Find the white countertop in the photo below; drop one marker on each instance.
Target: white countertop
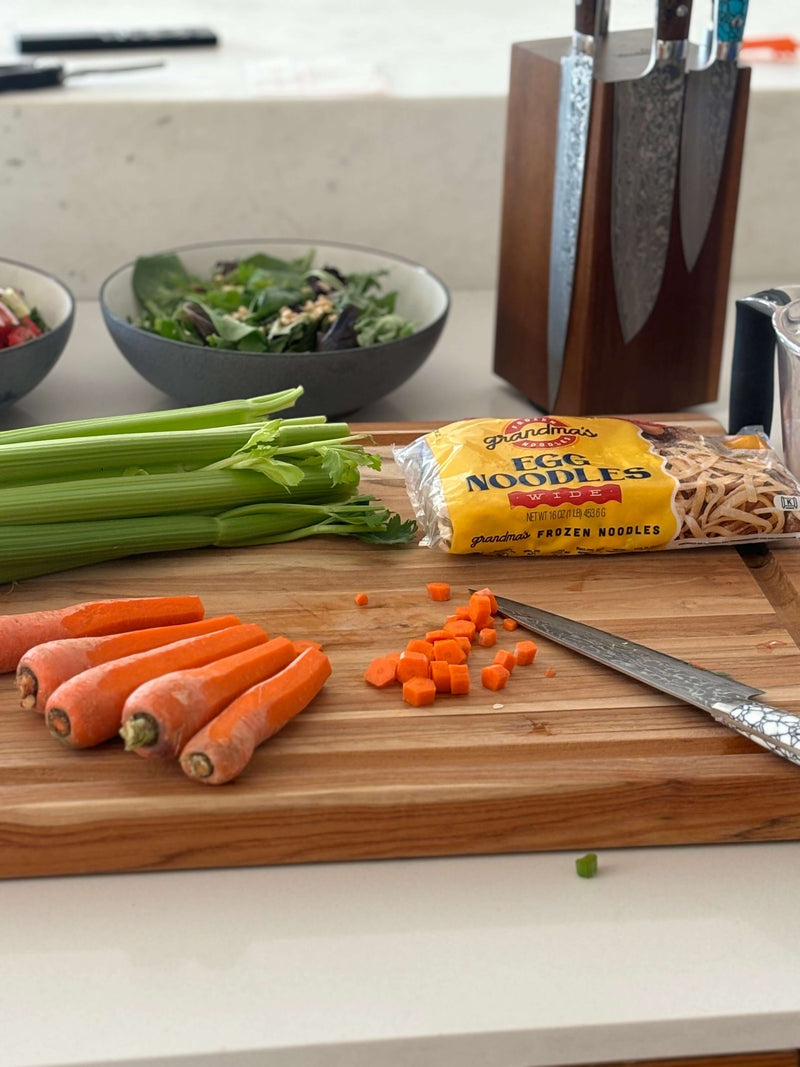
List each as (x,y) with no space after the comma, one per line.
(506,961)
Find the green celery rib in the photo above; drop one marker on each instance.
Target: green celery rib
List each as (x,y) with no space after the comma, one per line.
(226,413)
(59,458)
(136,495)
(31,551)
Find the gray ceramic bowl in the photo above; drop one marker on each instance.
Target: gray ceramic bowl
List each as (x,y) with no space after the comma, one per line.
(335,383)
(24,366)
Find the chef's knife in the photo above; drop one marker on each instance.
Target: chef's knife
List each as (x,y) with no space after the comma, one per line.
(647,134)
(729,702)
(574,109)
(706,119)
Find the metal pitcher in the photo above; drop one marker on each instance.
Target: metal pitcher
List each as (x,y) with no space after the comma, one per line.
(766,321)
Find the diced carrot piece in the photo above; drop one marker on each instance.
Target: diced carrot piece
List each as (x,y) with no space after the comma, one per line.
(450,618)
(506,659)
(491,596)
(438,590)
(510,624)
(465,644)
(462,628)
(480,610)
(438,635)
(419,691)
(525,652)
(462,611)
(487,637)
(361,599)
(381,672)
(549,673)
(450,651)
(494,676)
(417,645)
(393,656)
(303,643)
(459,679)
(412,665)
(440,674)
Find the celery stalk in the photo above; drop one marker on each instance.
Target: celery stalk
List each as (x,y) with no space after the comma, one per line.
(60,458)
(225,413)
(30,551)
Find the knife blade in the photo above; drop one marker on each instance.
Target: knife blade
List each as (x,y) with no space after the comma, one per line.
(646,139)
(707,113)
(730,702)
(574,110)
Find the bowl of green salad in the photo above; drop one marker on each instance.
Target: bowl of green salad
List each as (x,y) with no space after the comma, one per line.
(36,316)
(212,322)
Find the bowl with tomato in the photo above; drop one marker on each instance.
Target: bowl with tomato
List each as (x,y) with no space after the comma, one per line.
(36,316)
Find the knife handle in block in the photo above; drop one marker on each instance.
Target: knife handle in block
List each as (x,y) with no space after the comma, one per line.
(586,13)
(672,19)
(730,21)
(777,730)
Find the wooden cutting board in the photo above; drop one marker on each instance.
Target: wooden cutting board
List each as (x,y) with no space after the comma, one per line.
(584,759)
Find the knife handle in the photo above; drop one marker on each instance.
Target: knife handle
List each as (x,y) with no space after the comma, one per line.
(672,19)
(753,368)
(730,21)
(777,730)
(586,15)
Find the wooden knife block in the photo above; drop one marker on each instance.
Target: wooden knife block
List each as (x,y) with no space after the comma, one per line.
(674,360)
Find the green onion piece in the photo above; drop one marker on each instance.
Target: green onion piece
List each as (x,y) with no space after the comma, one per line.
(30,551)
(586,866)
(226,413)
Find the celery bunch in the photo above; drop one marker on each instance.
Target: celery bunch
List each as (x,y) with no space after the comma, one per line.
(217,475)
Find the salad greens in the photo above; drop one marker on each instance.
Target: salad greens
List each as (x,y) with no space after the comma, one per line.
(265,304)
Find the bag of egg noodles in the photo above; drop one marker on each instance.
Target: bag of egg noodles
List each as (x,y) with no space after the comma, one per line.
(548,485)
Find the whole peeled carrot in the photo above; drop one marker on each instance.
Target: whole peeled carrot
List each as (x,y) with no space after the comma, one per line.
(87,709)
(18,633)
(45,667)
(162,714)
(223,748)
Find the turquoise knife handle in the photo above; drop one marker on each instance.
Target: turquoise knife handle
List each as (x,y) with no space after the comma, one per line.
(777,730)
(730,21)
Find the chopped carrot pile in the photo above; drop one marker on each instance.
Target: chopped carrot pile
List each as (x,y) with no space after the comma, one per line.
(361,599)
(438,590)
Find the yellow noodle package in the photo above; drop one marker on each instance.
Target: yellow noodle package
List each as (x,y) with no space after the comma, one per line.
(551,485)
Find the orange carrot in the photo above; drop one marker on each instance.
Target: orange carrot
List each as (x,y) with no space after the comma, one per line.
(494,676)
(462,611)
(419,692)
(505,659)
(437,635)
(487,637)
(87,709)
(462,628)
(381,672)
(525,651)
(412,665)
(222,749)
(417,645)
(549,673)
(361,599)
(491,596)
(303,643)
(459,679)
(464,644)
(438,590)
(18,633)
(44,667)
(162,714)
(450,651)
(510,624)
(480,610)
(440,675)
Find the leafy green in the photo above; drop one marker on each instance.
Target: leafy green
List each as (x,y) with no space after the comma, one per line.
(266,304)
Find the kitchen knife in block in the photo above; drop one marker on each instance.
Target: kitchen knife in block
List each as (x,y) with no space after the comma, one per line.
(674,360)
(575,101)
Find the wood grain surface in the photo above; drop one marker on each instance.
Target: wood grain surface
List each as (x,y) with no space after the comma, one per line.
(585,759)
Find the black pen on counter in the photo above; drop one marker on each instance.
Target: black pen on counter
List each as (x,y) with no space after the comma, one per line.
(22,76)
